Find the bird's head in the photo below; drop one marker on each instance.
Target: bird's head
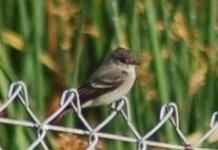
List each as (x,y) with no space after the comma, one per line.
(123,56)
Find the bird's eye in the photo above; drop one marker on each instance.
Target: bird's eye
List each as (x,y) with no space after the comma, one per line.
(123,60)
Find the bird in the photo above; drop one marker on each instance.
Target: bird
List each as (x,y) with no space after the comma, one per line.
(111,81)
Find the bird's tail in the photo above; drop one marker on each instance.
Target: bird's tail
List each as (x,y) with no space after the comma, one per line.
(58,118)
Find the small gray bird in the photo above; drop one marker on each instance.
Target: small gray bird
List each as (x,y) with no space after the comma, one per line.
(111,81)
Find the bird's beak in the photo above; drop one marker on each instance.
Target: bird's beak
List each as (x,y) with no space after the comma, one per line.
(137,62)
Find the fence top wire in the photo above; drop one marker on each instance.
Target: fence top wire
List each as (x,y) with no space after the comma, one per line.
(18,91)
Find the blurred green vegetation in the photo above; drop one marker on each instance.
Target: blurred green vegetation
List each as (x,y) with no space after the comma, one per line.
(53,45)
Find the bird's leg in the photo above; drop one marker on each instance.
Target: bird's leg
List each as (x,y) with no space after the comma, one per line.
(113,106)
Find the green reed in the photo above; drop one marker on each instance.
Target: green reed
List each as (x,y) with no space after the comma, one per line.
(63,42)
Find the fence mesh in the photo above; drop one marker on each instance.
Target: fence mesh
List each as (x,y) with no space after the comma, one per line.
(18,91)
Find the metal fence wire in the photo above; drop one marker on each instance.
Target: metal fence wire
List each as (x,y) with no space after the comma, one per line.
(18,91)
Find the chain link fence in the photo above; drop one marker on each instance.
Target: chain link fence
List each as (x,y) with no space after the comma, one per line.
(18,91)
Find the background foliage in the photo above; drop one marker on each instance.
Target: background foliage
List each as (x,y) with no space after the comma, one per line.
(56,44)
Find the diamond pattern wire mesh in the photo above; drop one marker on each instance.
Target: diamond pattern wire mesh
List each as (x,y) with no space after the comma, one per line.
(18,91)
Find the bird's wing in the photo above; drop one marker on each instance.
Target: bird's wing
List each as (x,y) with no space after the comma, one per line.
(102,84)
